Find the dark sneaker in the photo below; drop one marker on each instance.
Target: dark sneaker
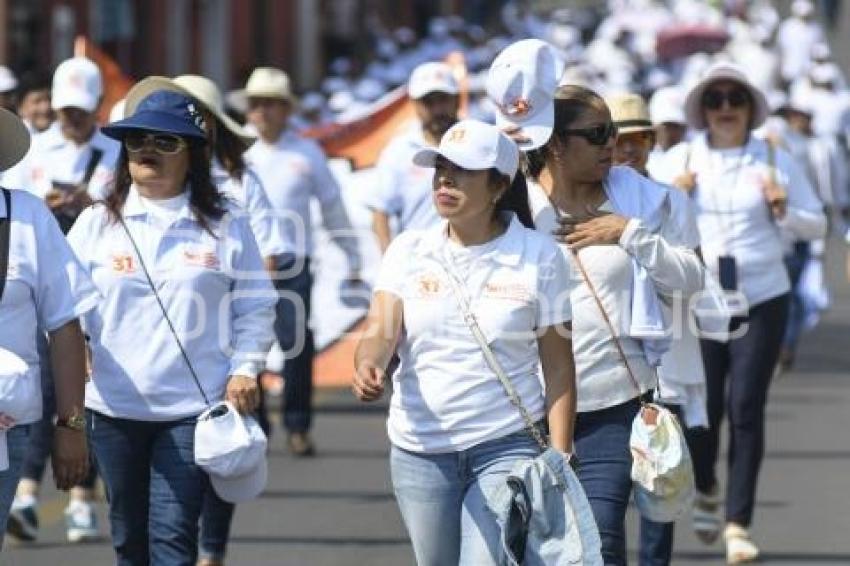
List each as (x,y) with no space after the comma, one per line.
(300,445)
(23,521)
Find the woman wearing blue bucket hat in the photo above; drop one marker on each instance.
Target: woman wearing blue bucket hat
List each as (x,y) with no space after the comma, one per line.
(185,322)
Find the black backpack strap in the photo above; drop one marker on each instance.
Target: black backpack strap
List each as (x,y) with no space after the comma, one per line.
(5,234)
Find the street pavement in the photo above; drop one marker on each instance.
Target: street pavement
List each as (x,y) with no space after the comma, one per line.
(338,509)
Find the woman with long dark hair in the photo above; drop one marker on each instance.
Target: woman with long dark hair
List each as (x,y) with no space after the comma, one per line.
(455,434)
(186,321)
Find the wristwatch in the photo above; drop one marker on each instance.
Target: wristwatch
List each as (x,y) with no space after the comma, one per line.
(74,422)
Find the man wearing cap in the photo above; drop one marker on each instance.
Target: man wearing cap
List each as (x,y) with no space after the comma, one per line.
(667,112)
(8,84)
(69,167)
(403,190)
(294,170)
(74,165)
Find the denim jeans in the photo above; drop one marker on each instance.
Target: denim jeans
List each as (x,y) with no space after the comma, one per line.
(605,465)
(216,517)
(737,378)
(17,445)
(445,499)
(292,330)
(153,486)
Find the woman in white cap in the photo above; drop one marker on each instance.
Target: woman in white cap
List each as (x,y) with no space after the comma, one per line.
(186,320)
(42,288)
(616,224)
(746,194)
(455,434)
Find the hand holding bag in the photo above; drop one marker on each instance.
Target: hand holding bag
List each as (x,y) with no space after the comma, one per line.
(544,513)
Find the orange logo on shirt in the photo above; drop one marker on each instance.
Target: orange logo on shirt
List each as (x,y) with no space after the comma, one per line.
(507,291)
(123,263)
(206,259)
(428,286)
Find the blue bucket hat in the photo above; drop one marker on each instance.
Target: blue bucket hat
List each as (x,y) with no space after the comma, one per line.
(162,111)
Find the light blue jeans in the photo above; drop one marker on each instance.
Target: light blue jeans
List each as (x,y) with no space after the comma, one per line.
(17,443)
(446,499)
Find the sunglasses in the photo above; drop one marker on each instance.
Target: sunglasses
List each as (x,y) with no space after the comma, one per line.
(713,99)
(164,144)
(597,135)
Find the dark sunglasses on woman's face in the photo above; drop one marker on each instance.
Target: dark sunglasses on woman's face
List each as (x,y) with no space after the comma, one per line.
(164,144)
(596,135)
(713,99)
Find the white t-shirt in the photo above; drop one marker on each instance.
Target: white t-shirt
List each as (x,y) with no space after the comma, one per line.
(733,216)
(214,287)
(46,287)
(445,397)
(403,189)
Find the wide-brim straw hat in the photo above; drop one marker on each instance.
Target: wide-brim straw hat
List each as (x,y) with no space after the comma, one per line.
(724,71)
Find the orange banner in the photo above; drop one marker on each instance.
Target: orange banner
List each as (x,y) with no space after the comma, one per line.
(115,82)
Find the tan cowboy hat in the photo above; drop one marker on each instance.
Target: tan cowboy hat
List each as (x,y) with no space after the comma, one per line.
(14,139)
(724,71)
(629,113)
(210,100)
(206,92)
(268,82)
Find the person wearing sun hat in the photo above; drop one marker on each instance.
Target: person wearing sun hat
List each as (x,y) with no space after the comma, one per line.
(227,141)
(38,296)
(746,193)
(145,397)
(294,171)
(444,410)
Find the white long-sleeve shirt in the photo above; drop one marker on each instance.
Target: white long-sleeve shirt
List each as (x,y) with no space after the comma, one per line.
(733,216)
(293,170)
(214,288)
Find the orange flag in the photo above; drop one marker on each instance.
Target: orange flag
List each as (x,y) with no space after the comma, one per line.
(115,82)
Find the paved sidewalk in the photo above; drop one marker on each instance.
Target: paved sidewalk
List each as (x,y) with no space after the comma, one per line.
(337,509)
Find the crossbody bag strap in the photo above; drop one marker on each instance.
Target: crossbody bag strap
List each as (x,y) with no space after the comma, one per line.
(5,240)
(490,358)
(163,309)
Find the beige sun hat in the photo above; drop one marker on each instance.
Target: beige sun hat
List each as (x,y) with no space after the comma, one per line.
(207,93)
(629,113)
(269,82)
(14,141)
(208,96)
(724,71)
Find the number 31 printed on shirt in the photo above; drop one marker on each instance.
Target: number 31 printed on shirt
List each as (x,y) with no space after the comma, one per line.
(123,263)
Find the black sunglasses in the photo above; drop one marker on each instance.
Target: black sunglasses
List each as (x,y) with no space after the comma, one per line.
(164,144)
(713,99)
(597,135)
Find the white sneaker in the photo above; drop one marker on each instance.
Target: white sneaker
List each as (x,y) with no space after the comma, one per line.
(740,549)
(81,522)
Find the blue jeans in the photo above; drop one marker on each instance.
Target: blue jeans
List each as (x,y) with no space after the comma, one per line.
(444,498)
(605,465)
(292,330)
(216,517)
(154,488)
(17,444)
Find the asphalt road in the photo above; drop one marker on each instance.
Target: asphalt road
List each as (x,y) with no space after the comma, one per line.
(337,508)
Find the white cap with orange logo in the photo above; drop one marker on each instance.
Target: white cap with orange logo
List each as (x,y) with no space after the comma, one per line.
(474,145)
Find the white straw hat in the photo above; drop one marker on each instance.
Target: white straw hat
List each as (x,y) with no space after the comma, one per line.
(207,93)
(629,113)
(724,71)
(269,82)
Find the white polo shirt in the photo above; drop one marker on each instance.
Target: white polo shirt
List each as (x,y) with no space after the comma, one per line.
(248,194)
(445,398)
(216,292)
(733,216)
(53,158)
(294,170)
(46,287)
(403,189)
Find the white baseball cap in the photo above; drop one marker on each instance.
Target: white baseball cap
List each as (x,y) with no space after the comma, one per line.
(474,145)
(431,77)
(77,82)
(667,105)
(8,81)
(231,448)
(521,82)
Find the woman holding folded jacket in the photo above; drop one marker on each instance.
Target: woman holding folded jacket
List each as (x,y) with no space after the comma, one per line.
(746,194)
(186,320)
(616,225)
